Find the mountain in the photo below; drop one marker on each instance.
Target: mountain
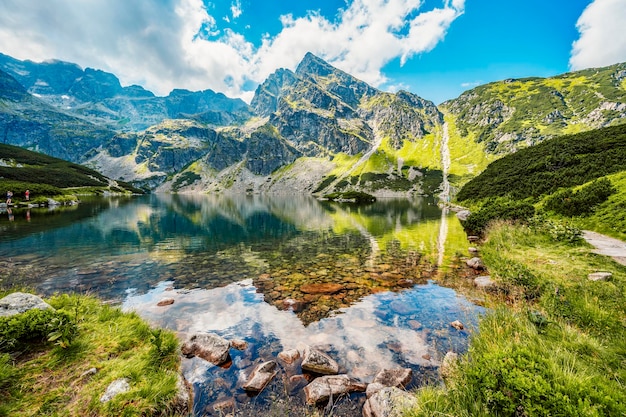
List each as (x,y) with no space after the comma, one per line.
(98,97)
(508,115)
(313,130)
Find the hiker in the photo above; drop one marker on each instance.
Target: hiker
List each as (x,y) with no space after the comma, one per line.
(27,195)
(9,197)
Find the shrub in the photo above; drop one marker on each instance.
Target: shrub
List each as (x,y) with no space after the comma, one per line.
(498,209)
(582,202)
(36,326)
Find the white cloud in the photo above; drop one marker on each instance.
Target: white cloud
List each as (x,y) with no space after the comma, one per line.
(602,37)
(171,43)
(471,84)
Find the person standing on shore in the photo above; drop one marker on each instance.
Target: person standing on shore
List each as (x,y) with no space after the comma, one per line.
(27,195)
(9,197)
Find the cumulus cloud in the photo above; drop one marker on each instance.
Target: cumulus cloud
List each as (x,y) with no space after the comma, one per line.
(602,37)
(178,44)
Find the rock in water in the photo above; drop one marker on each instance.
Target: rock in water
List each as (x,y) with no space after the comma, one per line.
(388,402)
(322,388)
(19,302)
(260,377)
(318,362)
(207,346)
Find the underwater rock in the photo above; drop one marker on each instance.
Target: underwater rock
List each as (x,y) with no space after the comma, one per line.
(207,346)
(260,377)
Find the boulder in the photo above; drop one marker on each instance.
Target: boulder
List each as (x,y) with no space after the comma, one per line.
(388,402)
(463,215)
(457,325)
(473,238)
(260,377)
(599,276)
(473,250)
(399,377)
(449,365)
(322,388)
(238,344)
(207,346)
(483,282)
(119,386)
(289,356)
(318,362)
(19,302)
(322,288)
(165,302)
(475,263)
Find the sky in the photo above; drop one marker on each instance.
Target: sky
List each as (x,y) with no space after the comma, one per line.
(434,48)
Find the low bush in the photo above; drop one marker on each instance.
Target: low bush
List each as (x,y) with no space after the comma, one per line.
(35,326)
(582,202)
(498,209)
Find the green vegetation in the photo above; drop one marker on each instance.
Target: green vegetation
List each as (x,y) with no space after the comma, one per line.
(498,209)
(554,342)
(581,202)
(351,196)
(561,162)
(45,354)
(45,176)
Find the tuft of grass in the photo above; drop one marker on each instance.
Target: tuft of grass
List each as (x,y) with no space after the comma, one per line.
(47,378)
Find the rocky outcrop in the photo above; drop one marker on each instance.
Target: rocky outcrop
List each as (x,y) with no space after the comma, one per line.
(325,387)
(260,377)
(208,346)
(19,302)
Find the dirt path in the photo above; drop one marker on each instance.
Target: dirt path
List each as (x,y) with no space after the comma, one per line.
(608,246)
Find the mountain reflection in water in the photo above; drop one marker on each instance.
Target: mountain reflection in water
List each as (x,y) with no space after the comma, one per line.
(275,271)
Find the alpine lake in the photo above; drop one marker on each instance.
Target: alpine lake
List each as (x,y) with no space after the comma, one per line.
(355,281)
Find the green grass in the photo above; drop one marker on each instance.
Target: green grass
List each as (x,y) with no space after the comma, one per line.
(554,342)
(45,378)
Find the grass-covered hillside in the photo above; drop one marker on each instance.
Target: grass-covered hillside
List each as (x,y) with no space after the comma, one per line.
(542,169)
(508,115)
(45,176)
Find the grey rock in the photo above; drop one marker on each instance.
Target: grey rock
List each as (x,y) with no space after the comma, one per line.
(19,302)
(472,250)
(318,362)
(208,346)
(182,402)
(289,356)
(388,402)
(599,276)
(463,215)
(119,386)
(483,282)
(321,389)
(449,365)
(475,263)
(260,377)
(457,325)
(399,377)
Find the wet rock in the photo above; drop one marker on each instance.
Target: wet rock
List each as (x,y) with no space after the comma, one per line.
(165,302)
(19,302)
(475,263)
(321,288)
(449,365)
(260,377)
(457,325)
(181,404)
(399,377)
(414,324)
(289,356)
(599,276)
(483,282)
(321,389)
(119,386)
(388,402)
(296,383)
(207,346)
(295,305)
(223,406)
(318,362)
(238,344)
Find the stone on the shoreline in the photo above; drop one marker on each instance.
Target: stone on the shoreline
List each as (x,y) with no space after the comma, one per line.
(388,402)
(165,302)
(399,377)
(463,215)
(260,377)
(119,386)
(457,325)
(207,346)
(449,365)
(289,356)
(472,250)
(321,389)
(599,276)
(318,362)
(181,403)
(473,238)
(322,288)
(19,302)
(475,263)
(483,282)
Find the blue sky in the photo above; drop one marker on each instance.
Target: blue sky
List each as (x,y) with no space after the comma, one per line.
(434,48)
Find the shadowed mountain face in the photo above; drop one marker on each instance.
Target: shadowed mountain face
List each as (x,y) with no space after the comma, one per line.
(315,129)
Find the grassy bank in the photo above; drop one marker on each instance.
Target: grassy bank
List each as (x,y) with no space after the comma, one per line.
(554,342)
(45,359)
